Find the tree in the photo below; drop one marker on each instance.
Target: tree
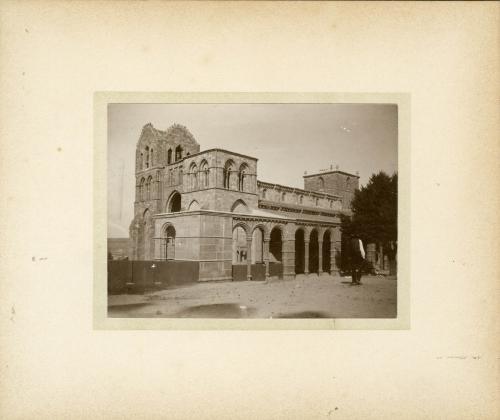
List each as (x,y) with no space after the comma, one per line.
(375,213)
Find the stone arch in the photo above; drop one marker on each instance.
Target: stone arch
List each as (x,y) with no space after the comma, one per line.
(326,250)
(242,174)
(240,244)
(239,206)
(168,235)
(228,174)
(194,205)
(178,153)
(193,176)
(146,157)
(313,251)
(174,202)
(148,187)
(264,228)
(141,189)
(258,235)
(203,174)
(300,233)
(243,225)
(276,244)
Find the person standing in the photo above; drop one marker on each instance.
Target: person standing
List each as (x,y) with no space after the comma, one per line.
(357,259)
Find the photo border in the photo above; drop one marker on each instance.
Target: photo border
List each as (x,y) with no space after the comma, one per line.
(100,295)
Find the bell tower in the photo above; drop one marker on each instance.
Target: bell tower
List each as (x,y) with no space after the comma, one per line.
(336,182)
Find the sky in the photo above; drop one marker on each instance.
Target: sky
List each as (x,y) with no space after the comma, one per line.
(288,139)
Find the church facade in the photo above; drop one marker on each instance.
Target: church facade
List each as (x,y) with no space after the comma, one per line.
(209,208)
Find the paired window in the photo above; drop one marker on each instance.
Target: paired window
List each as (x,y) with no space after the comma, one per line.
(148,188)
(203,174)
(228,174)
(147,158)
(193,175)
(242,174)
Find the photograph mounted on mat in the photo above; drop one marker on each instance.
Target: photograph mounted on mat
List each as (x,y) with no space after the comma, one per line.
(250,211)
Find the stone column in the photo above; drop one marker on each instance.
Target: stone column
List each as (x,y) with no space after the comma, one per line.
(266,256)
(335,246)
(288,258)
(249,258)
(320,258)
(306,257)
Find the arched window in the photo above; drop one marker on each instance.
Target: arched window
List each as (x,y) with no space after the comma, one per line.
(203,174)
(301,199)
(241,176)
(264,191)
(228,169)
(194,205)
(169,241)
(178,153)
(141,189)
(193,174)
(169,156)
(152,158)
(239,206)
(147,157)
(148,188)
(283,196)
(321,183)
(174,203)
(347,182)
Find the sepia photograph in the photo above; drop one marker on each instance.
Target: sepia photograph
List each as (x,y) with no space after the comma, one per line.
(249,210)
(256,210)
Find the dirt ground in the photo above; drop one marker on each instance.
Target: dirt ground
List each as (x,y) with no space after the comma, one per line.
(304,297)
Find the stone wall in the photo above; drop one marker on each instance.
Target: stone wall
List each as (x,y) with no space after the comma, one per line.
(215,247)
(187,236)
(283,196)
(199,237)
(336,182)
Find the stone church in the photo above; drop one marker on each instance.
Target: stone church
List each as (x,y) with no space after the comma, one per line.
(208,208)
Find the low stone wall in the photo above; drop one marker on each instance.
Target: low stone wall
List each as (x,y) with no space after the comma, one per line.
(240,272)
(141,276)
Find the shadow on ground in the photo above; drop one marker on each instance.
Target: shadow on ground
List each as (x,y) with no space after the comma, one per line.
(217,310)
(305,314)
